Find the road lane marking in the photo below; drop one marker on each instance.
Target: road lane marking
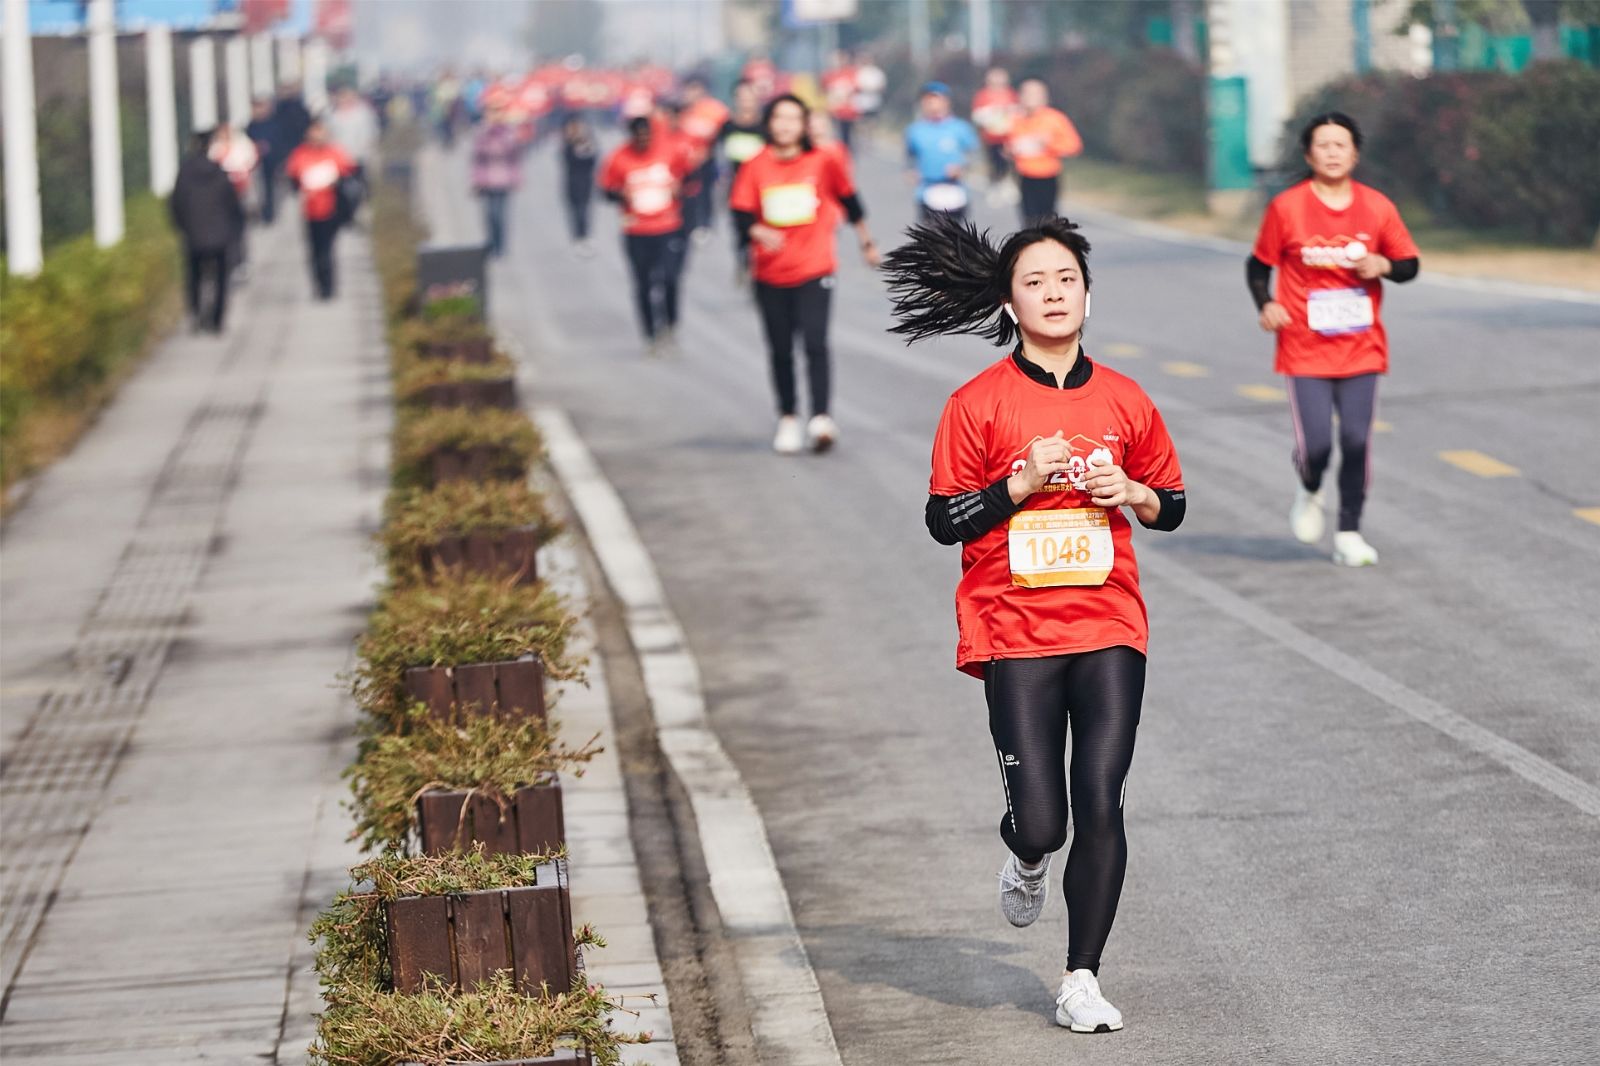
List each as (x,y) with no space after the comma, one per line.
(1180,369)
(1478,463)
(1264,393)
(1124,350)
(1588,514)
(1380,426)
(1514,757)
(787,1014)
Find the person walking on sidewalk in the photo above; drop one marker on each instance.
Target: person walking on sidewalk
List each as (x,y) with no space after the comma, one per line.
(209,217)
(316,168)
(263,133)
(353,126)
(579,156)
(782,199)
(1334,240)
(496,172)
(644,177)
(1040,138)
(1034,461)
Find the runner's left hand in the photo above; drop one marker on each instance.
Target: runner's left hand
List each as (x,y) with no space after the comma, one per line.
(1372,265)
(1109,486)
(869,252)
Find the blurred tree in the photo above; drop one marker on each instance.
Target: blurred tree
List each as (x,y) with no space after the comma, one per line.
(558,28)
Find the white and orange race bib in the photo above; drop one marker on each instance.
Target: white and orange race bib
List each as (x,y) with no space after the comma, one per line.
(1334,312)
(1070,546)
(789,205)
(650,190)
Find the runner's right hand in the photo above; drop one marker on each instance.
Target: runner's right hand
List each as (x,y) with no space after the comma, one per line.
(766,236)
(1046,456)
(1274,316)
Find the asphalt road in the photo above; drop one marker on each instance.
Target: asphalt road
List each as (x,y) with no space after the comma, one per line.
(1333,859)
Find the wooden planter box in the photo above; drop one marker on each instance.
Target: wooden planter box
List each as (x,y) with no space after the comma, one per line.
(508,553)
(498,392)
(533,821)
(466,939)
(476,350)
(481,462)
(514,688)
(568,1056)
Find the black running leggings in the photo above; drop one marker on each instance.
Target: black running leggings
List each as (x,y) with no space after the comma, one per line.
(786,309)
(1033,704)
(656,261)
(1312,402)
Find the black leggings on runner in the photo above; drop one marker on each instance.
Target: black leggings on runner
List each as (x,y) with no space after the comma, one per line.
(1312,402)
(1033,705)
(1039,196)
(784,310)
(657,261)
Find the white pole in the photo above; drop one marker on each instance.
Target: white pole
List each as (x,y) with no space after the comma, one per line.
(202,83)
(979,32)
(261,79)
(105,127)
(921,45)
(288,60)
(238,81)
(24,227)
(315,71)
(163,109)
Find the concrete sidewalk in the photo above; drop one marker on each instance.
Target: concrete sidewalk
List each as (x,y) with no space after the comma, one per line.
(181,594)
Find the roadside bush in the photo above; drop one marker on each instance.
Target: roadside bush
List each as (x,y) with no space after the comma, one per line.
(419,518)
(1482,149)
(67,333)
(418,435)
(413,374)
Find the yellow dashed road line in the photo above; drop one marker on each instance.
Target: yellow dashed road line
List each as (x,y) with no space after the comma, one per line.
(1181,369)
(1380,426)
(1124,350)
(1478,463)
(1264,393)
(1588,514)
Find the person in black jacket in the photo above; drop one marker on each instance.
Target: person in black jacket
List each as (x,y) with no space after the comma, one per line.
(207,213)
(263,130)
(579,154)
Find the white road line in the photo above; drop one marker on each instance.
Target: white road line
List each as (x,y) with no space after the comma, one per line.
(788,1018)
(1469,734)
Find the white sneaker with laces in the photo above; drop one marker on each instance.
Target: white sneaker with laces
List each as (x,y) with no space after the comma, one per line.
(1306,517)
(788,440)
(1081,1008)
(1022,894)
(821,432)
(1350,548)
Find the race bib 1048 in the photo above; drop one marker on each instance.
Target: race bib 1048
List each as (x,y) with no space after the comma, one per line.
(1071,546)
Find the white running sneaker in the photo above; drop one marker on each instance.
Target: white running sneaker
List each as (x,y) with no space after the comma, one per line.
(1305,517)
(821,432)
(1081,1008)
(1022,895)
(1350,548)
(788,440)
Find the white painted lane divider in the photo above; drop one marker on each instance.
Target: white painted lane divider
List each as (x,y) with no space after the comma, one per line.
(788,1018)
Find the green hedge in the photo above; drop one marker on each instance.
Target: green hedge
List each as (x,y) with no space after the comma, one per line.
(1481,149)
(66,333)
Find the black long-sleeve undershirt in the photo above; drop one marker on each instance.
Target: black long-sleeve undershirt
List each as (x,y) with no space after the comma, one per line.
(967,516)
(1258,276)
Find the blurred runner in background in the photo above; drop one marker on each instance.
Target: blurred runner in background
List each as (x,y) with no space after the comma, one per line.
(840,90)
(316,168)
(579,155)
(263,132)
(645,178)
(496,171)
(994,111)
(701,122)
(937,146)
(742,136)
(1040,138)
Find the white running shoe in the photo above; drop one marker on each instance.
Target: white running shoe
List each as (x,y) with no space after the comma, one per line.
(1306,517)
(1350,548)
(821,432)
(1081,1008)
(1022,895)
(788,440)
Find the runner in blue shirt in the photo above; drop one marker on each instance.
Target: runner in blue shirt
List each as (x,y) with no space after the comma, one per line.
(937,147)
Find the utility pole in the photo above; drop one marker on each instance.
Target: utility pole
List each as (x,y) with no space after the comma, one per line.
(316,75)
(163,109)
(105,127)
(1361,21)
(288,60)
(261,80)
(921,44)
(203,83)
(1446,36)
(980,32)
(238,81)
(24,224)
(1229,178)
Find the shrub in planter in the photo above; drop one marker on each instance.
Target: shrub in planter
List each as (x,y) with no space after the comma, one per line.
(448,337)
(494,1015)
(452,383)
(482,756)
(458,442)
(454,623)
(491,528)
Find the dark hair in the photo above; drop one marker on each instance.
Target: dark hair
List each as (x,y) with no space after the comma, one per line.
(696,79)
(1330,118)
(638,124)
(949,278)
(805,119)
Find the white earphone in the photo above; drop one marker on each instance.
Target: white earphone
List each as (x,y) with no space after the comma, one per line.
(1010,311)
(1088,301)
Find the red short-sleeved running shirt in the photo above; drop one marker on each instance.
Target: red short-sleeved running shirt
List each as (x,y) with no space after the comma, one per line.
(789,195)
(1334,328)
(648,182)
(987,427)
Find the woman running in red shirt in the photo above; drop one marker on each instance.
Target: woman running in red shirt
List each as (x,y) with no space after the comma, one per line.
(644,176)
(1033,462)
(1334,239)
(781,198)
